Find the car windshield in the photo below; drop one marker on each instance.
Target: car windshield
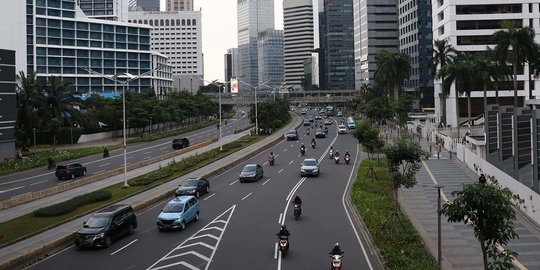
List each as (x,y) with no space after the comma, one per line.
(97,221)
(341,126)
(310,163)
(291,132)
(320,130)
(173,208)
(190,183)
(250,168)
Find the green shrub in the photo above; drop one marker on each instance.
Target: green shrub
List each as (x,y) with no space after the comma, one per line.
(72,205)
(151,177)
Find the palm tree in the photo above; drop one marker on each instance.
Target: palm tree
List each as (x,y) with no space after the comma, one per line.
(61,101)
(442,54)
(392,70)
(500,71)
(514,45)
(30,102)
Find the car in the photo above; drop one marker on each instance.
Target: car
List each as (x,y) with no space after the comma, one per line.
(292,135)
(311,119)
(318,117)
(339,114)
(193,186)
(106,225)
(328,122)
(342,129)
(180,143)
(243,113)
(304,111)
(70,171)
(251,173)
(178,212)
(350,123)
(307,122)
(310,166)
(319,133)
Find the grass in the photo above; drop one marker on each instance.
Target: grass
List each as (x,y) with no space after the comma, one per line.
(29,224)
(399,246)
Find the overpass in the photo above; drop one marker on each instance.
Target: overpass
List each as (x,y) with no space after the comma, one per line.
(296,97)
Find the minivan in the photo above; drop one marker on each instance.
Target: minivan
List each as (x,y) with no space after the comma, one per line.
(178,212)
(350,123)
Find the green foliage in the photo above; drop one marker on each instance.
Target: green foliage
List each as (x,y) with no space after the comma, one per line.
(400,249)
(271,114)
(369,137)
(378,109)
(402,105)
(72,204)
(488,210)
(392,70)
(404,157)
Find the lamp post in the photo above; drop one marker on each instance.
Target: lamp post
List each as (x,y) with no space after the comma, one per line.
(124,83)
(256,113)
(439,243)
(151,125)
(34,131)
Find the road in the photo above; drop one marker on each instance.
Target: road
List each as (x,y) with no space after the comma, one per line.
(41,178)
(239,221)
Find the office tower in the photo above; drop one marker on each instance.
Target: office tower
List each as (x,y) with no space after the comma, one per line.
(270,58)
(179,5)
(113,10)
(298,39)
(148,5)
(338,46)
(231,65)
(59,41)
(254,16)
(177,35)
(469,27)
(375,28)
(415,40)
(8,103)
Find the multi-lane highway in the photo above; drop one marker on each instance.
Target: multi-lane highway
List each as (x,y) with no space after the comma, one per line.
(40,178)
(238,221)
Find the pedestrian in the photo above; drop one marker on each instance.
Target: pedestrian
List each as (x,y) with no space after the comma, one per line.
(482,179)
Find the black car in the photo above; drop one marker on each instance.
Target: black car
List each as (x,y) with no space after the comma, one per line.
(292,135)
(107,225)
(307,122)
(251,173)
(180,143)
(320,133)
(193,186)
(70,171)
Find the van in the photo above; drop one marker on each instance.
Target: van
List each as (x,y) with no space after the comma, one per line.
(350,123)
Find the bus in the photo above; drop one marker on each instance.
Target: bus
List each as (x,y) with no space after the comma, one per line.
(329,110)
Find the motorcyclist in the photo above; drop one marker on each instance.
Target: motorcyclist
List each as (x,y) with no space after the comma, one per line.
(307,131)
(283,231)
(302,147)
(298,201)
(325,129)
(271,158)
(336,250)
(105,152)
(347,154)
(336,154)
(313,141)
(51,163)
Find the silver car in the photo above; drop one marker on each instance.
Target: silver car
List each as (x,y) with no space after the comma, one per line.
(310,166)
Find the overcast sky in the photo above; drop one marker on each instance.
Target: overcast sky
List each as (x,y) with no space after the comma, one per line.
(219,32)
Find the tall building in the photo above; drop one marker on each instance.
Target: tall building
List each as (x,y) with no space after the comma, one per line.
(270,58)
(415,40)
(298,39)
(177,34)
(179,5)
(375,28)
(59,41)
(254,16)
(469,27)
(113,10)
(231,65)
(338,46)
(148,5)
(8,103)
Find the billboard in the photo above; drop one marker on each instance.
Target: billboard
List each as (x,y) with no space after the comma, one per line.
(234,85)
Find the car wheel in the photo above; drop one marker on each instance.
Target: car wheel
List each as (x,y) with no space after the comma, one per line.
(59,178)
(131,229)
(73,176)
(196,218)
(84,172)
(107,242)
(182,226)
(207,189)
(197,194)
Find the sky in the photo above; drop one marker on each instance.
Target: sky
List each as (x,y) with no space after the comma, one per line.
(219,32)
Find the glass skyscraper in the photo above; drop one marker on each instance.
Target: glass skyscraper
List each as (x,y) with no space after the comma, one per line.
(270,50)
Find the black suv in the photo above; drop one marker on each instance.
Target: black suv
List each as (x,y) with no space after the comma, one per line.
(107,225)
(180,143)
(70,171)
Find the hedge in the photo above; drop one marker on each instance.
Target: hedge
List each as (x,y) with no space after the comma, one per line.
(72,204)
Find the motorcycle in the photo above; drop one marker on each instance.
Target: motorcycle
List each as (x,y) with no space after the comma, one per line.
(331,154)
(313,145)
(271,161)
(336,261)
(336,158)
(105,153)
(297,211)
(325,130)
(303,151)
(51,164)
(283,245)
(347,159)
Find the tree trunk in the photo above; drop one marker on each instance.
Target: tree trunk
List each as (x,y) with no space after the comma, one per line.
(497,93)
(485,101)
(515,85)
(469,110)
(443,108)
(484,252)
(530,85)
(457,113)
(396,196)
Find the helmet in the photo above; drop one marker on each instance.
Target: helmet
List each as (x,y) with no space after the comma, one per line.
(283,227)
(271,153)
(336,245)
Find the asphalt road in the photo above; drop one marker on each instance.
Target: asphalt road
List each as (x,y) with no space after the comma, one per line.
(41,178)
(239,221)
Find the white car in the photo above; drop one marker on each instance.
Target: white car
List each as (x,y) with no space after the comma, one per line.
(310,166)
(342,129)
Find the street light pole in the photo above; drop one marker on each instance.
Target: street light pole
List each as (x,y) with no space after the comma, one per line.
(35,145)
(256,116)
(124,133)
(439,242)
(220,126)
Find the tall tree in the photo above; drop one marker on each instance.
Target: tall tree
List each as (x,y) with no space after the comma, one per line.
(392,70)
(60,100)
(30,103)
(500,71)
(442,54)
(514,45)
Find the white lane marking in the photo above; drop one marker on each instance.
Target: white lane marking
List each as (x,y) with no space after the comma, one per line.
(280,171)
(233,183)
(284,149)
(275,250)
(289,196)
(209,196)
(147,157)
(98,172)
(11,189)
(120,249)
(104,164)
(347,211)
(291,162)
(276,155)
(163,148)
(265,163)
(266,182)
(129,157)
(292,145)
(146,153)
(39,182)
(280,217)
(245,197)
(24,179)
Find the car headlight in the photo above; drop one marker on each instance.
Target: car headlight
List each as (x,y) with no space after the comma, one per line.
(315,170)
(191,191)
(100,235)
(302,170)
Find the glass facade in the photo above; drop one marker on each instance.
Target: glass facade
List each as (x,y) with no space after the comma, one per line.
(270,50)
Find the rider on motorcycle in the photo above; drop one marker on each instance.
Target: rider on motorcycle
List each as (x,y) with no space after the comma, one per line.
(307,131)
(283,231)
(302,147)
(298,201)
(271,157)
(313,141)
(336,154)
(105,152)
(347,154)
(336,250)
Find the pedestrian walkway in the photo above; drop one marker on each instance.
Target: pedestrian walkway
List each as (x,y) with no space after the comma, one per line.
(460,249)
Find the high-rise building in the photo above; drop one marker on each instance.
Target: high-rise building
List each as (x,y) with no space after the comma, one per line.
(148,5)
(59,41)
(270,58)
(231,65)
(113,10)
(254,16)
(338,47)
(415,40)
(298,39)
(469,27)
(375,28)
(177,34)
(179,5)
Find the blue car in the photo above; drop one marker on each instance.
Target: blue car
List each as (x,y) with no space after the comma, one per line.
(178,212)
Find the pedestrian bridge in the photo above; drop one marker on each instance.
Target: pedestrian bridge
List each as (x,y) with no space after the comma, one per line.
(297,97)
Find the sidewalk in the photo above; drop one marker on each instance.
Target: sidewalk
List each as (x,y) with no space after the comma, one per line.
(460,249)
(48,242)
